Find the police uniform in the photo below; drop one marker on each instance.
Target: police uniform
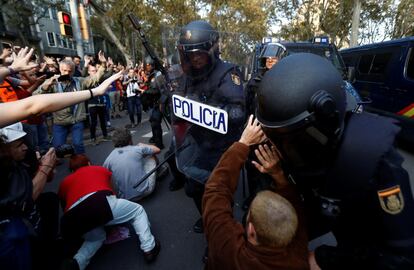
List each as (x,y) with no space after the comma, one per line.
(344,163)
(152,101)
(222,88)
(366,200)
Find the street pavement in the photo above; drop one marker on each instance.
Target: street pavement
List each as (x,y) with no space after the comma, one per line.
(172,215)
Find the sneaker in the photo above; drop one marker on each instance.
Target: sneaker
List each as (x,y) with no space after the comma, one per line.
(94,142)
(106,138)
(69,264)
(198,226)
(108,124)
(151,255)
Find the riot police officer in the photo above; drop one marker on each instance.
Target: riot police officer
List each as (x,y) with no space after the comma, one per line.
(207,80)
(270,54)
(151,101)
(344,163)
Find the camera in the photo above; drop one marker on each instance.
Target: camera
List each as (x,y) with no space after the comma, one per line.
(64,78)
(64,150)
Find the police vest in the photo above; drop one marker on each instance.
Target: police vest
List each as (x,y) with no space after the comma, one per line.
(366,139)
(205,90)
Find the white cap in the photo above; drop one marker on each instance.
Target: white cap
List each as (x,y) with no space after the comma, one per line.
(13,132)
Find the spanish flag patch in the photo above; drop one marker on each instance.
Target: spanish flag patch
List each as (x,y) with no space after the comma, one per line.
(391,200)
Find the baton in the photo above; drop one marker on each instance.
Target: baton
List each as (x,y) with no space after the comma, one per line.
(160,164)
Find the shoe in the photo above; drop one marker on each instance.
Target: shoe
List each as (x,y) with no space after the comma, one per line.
(118,116)
(94,142)
(204,259)
(108,124)
(151,255)
(151,140)
(175,185)
(159,145)
(69,264)
(106,138)
(129,125)
(198,226)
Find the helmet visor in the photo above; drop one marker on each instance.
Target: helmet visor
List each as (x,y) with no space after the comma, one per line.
(273,50)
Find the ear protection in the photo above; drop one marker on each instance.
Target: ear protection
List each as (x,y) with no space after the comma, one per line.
(322,104)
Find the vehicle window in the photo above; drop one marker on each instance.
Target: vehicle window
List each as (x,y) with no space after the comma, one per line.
(410,65)
(365,63)
(326,52)
(380,63)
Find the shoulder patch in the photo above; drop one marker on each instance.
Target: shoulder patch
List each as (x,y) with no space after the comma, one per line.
(235,78)
(391,200)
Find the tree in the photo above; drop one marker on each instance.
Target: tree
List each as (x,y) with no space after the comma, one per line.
(22,15)
(404,19)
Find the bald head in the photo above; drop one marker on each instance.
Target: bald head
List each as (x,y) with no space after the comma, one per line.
(274,219)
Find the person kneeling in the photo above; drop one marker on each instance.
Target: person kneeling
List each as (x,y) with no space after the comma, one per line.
(87,196)
(129,163)
(274,236)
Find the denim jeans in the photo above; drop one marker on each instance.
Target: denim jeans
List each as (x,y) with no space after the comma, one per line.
(39,136)
(60,134)
(134,106)
(122,211)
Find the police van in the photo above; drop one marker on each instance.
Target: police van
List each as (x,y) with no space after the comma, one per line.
(384,75)
(322,47)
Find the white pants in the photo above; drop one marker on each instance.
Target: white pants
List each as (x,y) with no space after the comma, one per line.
(122,211)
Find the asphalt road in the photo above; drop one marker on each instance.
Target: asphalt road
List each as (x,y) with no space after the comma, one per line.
(171,214)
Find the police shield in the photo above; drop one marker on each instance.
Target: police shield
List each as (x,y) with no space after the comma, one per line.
(208,110)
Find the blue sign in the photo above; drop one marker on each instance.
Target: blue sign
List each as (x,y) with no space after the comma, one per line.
(200,114)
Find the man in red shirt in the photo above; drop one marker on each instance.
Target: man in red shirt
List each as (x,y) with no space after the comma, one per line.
(87,196)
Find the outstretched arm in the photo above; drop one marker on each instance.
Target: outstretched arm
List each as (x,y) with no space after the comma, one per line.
(12,112)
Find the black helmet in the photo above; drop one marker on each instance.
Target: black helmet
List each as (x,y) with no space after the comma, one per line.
(301,103)
(271,50)
(149,61)
(198,38)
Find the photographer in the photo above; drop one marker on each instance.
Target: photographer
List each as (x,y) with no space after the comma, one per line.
(70,119)
(134,97)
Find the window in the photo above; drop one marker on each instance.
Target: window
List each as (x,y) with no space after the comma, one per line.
(380,63)
(410,65)
(64,42)
(365,63)
(51,39)
(53,13)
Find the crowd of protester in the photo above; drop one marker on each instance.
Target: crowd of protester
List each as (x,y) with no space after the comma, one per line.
(41,102)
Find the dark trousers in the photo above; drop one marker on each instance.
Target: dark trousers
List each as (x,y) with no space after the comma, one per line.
(156,119)
(134,106)
(195,190)
(94,113)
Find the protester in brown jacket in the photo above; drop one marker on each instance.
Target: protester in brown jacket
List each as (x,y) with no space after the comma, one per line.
(274,236)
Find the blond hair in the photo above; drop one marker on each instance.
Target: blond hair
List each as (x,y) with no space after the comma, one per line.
(274,219)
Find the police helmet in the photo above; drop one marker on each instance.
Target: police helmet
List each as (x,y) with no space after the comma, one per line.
(271,50)
(301,89)
(148,63)
(198,48)
(301,107)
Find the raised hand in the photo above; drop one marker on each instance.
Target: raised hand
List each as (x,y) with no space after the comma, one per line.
(22,60)
(269,159)
(101,89)
(101,57)
(253,133)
